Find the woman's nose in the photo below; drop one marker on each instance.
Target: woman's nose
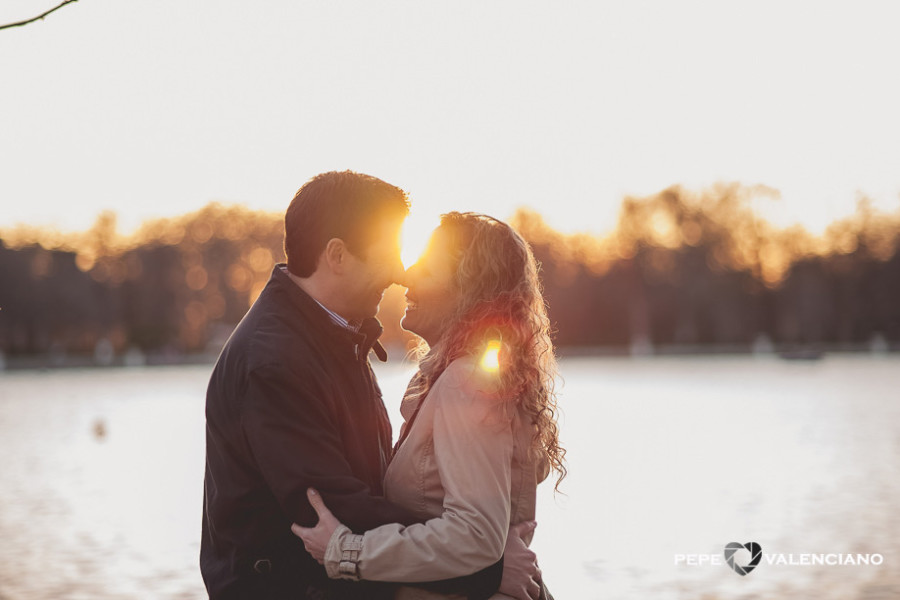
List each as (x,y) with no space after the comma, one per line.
(395,272)
(404,277)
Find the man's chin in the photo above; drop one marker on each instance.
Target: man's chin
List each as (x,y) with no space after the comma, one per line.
(368,314)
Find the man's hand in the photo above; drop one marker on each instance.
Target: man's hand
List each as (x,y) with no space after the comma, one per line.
(316,539)
(521,575)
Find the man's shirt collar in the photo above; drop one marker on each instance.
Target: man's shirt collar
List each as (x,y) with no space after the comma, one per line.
(335,318)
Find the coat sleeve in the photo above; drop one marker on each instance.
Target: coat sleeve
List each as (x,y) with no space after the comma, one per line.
(295,442)
(473,453)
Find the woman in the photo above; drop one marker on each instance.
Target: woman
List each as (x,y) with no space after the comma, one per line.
(480,430)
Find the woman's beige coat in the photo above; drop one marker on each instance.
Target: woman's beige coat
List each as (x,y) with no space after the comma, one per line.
(467,467)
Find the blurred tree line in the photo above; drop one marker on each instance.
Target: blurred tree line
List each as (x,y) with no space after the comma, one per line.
(681,269)
(687,269)
(176,287)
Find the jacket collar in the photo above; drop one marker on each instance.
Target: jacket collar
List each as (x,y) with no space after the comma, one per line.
(365,339)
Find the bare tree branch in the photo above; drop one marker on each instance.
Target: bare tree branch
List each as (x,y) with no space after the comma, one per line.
(41,16)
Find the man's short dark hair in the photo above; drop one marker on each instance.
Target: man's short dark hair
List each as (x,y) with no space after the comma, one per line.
(338,204)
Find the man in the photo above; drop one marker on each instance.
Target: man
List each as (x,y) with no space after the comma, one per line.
(292,402)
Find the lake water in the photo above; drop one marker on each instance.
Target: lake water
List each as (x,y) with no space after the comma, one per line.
(101,485)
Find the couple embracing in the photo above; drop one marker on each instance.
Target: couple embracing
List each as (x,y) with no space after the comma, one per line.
(304,496)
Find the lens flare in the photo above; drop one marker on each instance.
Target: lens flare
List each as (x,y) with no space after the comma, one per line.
(414,238)
(491,360)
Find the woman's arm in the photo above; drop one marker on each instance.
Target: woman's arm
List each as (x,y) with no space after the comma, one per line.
(520,577)
(473,453)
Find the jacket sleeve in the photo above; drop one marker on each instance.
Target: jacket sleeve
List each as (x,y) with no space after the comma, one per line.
(473,453)
(294,439)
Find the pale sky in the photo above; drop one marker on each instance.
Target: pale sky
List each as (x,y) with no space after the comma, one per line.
(157,107)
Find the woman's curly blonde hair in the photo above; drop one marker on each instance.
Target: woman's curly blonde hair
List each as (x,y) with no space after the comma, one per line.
(500,301)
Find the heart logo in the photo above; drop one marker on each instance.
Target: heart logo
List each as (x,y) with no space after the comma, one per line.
(755,556)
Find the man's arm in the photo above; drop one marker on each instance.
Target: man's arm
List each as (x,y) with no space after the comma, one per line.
(296,443)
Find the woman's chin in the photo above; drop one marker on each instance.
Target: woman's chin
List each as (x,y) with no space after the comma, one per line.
(423,328)
(410,323)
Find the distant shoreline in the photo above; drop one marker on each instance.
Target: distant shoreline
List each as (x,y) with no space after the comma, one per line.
(801,352)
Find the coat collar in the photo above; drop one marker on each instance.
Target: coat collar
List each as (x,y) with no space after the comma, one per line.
(365,339)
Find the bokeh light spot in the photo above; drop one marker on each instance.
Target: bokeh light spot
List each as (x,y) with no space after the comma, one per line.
(490,361)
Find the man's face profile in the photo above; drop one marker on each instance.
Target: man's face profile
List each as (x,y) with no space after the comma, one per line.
(367,276)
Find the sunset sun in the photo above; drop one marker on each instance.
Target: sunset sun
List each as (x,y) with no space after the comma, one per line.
(414,239)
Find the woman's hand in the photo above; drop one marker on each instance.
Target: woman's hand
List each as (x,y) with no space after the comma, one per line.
(316,539)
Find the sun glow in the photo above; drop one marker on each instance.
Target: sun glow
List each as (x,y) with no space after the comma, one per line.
(490,361)
(414,239)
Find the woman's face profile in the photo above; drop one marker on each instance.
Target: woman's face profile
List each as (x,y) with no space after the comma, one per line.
(432,293)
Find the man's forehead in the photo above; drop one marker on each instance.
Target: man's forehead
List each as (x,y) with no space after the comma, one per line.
(389,226)
(387,235)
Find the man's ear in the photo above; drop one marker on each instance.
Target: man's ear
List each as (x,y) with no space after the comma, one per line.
(335,255)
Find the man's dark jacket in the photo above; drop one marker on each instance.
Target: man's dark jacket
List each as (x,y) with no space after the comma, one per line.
(292,403)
